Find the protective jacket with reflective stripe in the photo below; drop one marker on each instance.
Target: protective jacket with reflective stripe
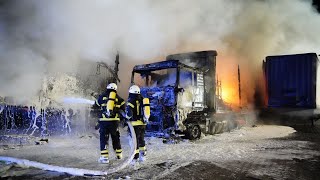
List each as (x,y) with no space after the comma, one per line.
(134,109)
(118,105)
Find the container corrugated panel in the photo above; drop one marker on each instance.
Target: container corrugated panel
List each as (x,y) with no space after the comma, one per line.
(291,80)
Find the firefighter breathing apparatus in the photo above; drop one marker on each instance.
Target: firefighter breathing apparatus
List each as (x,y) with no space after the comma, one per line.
(134,89)
(111,100)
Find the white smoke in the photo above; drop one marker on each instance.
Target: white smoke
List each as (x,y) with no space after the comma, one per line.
(43,37)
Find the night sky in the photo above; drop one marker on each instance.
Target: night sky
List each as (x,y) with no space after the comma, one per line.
(317,4)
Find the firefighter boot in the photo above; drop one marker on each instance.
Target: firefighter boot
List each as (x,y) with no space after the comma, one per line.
(135,158)
(103,160)
(142,155)
(119,153)
(119,156)
(142,152)
(142,158)
(137,154)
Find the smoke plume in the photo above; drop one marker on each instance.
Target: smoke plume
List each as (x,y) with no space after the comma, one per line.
(39,38)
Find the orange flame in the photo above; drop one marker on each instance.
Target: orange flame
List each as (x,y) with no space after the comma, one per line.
(229,91)
(227,72)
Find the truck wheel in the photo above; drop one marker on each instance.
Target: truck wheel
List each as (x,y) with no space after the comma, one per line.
(219,127)
(212,128)
(193,132)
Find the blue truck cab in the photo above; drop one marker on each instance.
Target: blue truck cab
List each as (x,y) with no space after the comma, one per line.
(182,94)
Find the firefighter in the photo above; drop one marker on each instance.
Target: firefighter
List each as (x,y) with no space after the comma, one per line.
(111,106)
(138,113)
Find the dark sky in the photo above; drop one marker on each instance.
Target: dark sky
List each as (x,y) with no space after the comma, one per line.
(317,4)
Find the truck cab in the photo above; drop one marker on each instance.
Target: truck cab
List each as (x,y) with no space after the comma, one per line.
(182,94)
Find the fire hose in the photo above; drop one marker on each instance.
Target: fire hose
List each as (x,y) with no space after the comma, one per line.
(77,171)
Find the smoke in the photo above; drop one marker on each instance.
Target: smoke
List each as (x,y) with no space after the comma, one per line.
(39,38)
(265,28)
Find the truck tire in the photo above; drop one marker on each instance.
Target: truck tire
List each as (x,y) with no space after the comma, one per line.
(212,128)
(225,126)
(193,132)
(219,127)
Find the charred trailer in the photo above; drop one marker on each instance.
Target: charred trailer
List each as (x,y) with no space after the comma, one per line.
(293,85)
(182,93)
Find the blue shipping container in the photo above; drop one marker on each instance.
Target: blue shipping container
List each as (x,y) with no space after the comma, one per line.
(291,80)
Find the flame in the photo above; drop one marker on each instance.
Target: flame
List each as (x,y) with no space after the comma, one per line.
(229,92)
(251,82)
(227,74)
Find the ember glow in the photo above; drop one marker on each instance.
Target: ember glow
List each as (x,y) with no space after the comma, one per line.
(227,74)
(230,93)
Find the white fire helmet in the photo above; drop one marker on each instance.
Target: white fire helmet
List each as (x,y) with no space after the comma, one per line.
(134,89)
(112,86)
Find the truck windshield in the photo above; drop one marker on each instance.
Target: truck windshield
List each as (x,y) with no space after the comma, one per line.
(156,78)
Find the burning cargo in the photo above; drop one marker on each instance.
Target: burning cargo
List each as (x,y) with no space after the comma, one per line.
(182,94)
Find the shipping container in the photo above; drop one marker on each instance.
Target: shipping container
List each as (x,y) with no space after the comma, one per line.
(292,81)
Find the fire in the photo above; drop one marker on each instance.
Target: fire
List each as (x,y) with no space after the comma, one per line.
(229,92)
(227,77)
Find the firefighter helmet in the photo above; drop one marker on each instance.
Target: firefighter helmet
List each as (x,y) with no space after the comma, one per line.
(112,86)
(134,89)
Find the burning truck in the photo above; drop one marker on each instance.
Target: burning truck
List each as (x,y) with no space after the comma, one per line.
(182,93)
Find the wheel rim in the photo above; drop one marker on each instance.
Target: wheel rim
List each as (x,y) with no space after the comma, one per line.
(195,131)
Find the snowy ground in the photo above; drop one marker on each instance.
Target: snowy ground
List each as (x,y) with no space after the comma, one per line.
(262,152)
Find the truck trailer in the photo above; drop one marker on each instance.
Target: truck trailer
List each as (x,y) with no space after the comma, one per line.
(293,80)
(182,93)
(293,86)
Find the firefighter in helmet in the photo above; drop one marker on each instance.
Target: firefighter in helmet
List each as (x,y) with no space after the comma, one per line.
(111,105)
(138,113)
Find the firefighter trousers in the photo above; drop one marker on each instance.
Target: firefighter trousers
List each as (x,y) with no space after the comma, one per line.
(109,128)
(141,145)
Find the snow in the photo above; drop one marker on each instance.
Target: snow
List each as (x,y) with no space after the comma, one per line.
(245,144)
(64,147)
